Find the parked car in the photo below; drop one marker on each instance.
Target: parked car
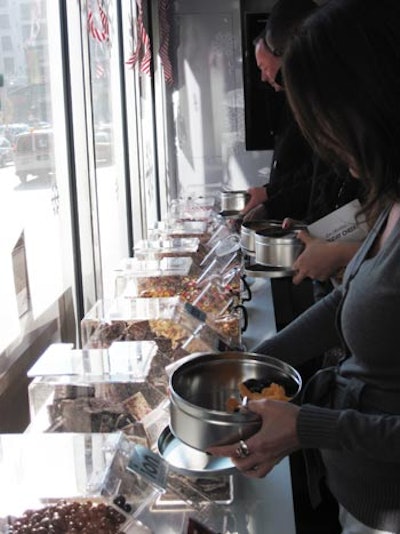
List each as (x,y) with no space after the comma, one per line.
(6,151)
(34,154)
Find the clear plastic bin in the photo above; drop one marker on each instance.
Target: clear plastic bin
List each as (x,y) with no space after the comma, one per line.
(131,319)
(192,209)
(69,472)
(162,248)
(99,390)
(166,277)
(72,404)
(128,361)
(187,229)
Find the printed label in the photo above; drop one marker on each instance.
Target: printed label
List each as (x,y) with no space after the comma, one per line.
(342,224)
(149,465)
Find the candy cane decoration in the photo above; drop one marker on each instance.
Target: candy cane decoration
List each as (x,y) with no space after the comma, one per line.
(100,33)
(165,29)
(141,55)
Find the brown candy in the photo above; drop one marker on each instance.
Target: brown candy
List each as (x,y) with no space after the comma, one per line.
(69,517)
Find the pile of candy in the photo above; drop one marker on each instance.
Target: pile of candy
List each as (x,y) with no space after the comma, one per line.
(69,517)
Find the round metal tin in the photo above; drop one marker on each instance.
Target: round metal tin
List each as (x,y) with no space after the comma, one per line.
(248,230)
(261,271)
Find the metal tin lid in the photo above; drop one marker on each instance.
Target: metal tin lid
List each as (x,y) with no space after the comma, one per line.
(276,236)
(227,194)
(189,461)
(261,271)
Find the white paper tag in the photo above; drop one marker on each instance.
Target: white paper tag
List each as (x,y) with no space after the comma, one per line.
(341,224)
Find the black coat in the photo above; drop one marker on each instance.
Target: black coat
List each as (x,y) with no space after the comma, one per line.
(290,182)
(301,185)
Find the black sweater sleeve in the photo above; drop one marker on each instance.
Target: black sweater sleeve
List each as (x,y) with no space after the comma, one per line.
(291,175)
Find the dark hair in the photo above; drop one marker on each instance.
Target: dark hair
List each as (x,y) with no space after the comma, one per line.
(342,75)
(285,16)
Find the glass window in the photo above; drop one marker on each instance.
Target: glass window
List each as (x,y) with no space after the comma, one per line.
(4,22)
(6,43)
(37,282)
(107,99)
(25,10)
(9,65)
(55,266)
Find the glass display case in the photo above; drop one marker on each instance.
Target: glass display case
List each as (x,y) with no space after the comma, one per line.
(170,322)
(135,319)
(192,209)
(187,229)
(148,249)
(81,477)
(96,483)
(96,390)
(166,277)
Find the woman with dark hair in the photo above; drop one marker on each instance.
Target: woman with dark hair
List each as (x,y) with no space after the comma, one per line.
(301,185)
(343,82)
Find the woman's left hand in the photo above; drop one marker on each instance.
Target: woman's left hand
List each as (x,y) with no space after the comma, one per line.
(276,439)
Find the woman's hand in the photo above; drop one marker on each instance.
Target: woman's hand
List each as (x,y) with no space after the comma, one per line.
(258,195)
(276,438)
(288,223)
(321,259)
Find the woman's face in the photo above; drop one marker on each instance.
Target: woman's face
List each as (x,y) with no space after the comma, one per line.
(268,64)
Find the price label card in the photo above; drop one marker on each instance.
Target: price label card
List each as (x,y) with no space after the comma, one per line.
(149,465)
(342,224)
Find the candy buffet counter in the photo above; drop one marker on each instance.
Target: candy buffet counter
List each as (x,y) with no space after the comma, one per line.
(98,470)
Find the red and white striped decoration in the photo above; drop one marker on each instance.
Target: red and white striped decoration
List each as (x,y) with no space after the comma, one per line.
(141,55)
(98,23)
(163,11)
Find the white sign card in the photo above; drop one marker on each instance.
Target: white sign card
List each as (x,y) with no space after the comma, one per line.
(341,224)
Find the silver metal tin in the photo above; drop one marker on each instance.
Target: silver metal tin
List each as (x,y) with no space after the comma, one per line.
(201,386)
(260,271)
(189,461)
(233,201)
(277,248)
(248,230)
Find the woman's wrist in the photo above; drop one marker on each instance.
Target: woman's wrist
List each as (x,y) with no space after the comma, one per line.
(343,252)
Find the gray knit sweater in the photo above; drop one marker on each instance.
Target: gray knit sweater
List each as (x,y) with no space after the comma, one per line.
(360,447)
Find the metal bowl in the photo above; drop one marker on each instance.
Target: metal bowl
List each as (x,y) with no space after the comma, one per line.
(201,386)
(248,230)
(233,201)
(277,248)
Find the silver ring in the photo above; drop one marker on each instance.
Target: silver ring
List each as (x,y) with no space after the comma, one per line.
(242,451)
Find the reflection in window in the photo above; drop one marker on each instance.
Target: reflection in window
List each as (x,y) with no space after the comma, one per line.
(106,101)
(34,208)
(4,22)
(6,43)
(9,65)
